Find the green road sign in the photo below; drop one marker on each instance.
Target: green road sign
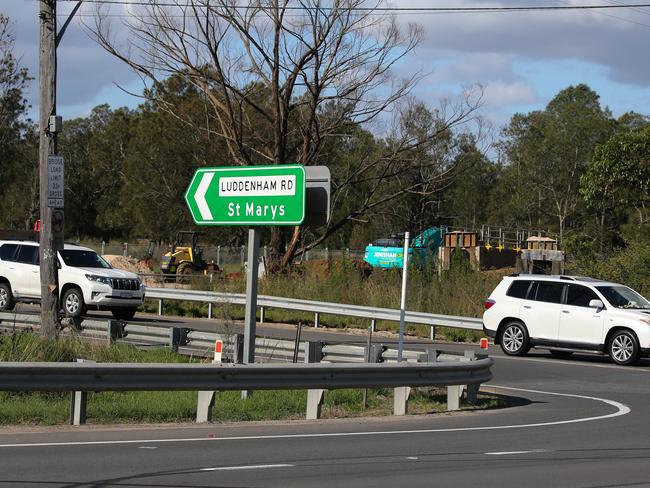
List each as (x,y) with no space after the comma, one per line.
(248,195)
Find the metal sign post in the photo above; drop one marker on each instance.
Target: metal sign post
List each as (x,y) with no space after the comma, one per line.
(402,307)
(251,196)
(250,320)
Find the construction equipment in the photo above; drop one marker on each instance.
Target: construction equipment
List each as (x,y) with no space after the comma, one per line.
(186,258)
(389,252)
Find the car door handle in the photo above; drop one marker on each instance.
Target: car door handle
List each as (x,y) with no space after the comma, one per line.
(565,311)
(527,306)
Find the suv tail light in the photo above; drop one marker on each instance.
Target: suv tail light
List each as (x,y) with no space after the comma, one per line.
(488,303)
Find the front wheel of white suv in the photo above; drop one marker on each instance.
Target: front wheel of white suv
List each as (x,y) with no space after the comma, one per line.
(624,348)
(514,339)
(73,303)
(6,298)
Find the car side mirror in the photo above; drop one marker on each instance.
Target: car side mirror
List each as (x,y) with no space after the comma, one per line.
(597,304)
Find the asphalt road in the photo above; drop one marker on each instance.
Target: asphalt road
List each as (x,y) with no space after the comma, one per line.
(581,422)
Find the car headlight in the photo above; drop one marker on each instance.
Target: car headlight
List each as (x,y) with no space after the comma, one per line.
(99,279)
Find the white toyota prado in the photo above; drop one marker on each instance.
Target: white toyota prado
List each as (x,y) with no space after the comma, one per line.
(567,314)
(85,280)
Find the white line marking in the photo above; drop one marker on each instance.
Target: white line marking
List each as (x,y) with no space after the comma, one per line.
(199,196)
(412,458)
(147,447)
(621,409)
(259,466)
(505,453)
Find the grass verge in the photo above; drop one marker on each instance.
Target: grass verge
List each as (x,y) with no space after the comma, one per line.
(458,291)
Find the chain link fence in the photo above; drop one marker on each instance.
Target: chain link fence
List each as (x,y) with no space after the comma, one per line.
(221,255)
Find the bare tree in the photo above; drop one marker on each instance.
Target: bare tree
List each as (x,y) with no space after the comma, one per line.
(281,77)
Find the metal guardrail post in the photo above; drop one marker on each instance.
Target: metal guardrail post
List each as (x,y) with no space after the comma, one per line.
(472,389)
(178,337)
(316,320)
(204,404)
(373,325)
(210,308)
(314,403)
(313,351)
(261,315)
(160,306)
(314,354)
(238,349)
(115,329)
(454,393)
(430,356)
(401,400)
(376,353)
(78,403)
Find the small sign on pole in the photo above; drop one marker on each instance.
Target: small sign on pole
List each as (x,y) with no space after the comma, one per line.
(55,182)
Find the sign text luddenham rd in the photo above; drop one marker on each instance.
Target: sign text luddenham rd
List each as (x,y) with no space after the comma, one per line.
(250,195)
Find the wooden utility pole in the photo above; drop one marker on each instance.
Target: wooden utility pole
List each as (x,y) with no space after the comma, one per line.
(51,238)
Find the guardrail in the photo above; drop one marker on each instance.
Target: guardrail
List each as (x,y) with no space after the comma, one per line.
(318,308)
(192,342)
(316,378)
(199,343)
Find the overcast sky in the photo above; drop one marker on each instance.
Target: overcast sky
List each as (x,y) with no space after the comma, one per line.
(522,59)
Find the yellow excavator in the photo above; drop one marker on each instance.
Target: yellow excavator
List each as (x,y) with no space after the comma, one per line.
(185,257)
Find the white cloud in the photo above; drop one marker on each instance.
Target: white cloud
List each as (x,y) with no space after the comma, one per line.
(499,94)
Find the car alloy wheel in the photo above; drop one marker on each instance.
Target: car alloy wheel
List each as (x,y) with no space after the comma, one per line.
(72,304)
(513,339)
(623,348)
(4,298)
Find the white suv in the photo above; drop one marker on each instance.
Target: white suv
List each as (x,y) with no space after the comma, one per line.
(567,314)
(85,280)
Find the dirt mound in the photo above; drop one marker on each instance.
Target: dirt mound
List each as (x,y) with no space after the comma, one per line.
(133,265)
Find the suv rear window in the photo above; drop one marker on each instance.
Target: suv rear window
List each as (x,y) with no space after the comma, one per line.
(8,251)
(550,292)
(518,289)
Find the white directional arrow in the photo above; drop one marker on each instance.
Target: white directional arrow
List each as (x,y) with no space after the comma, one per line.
(199,197)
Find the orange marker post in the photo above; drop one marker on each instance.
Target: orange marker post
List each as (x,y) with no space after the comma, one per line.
(218,345)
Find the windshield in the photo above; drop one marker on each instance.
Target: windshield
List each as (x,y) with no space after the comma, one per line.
(79,258)
(623,297)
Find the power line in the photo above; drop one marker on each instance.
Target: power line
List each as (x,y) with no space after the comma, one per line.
(535,8)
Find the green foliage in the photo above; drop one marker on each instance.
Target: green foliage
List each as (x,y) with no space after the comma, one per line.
(617,185)
(628,266)
(23,347)
(18,156)
(546,152)
(458,291)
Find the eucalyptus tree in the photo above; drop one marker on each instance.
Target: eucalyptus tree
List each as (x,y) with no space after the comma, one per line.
(545,154)
(17,168)
(279,78)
